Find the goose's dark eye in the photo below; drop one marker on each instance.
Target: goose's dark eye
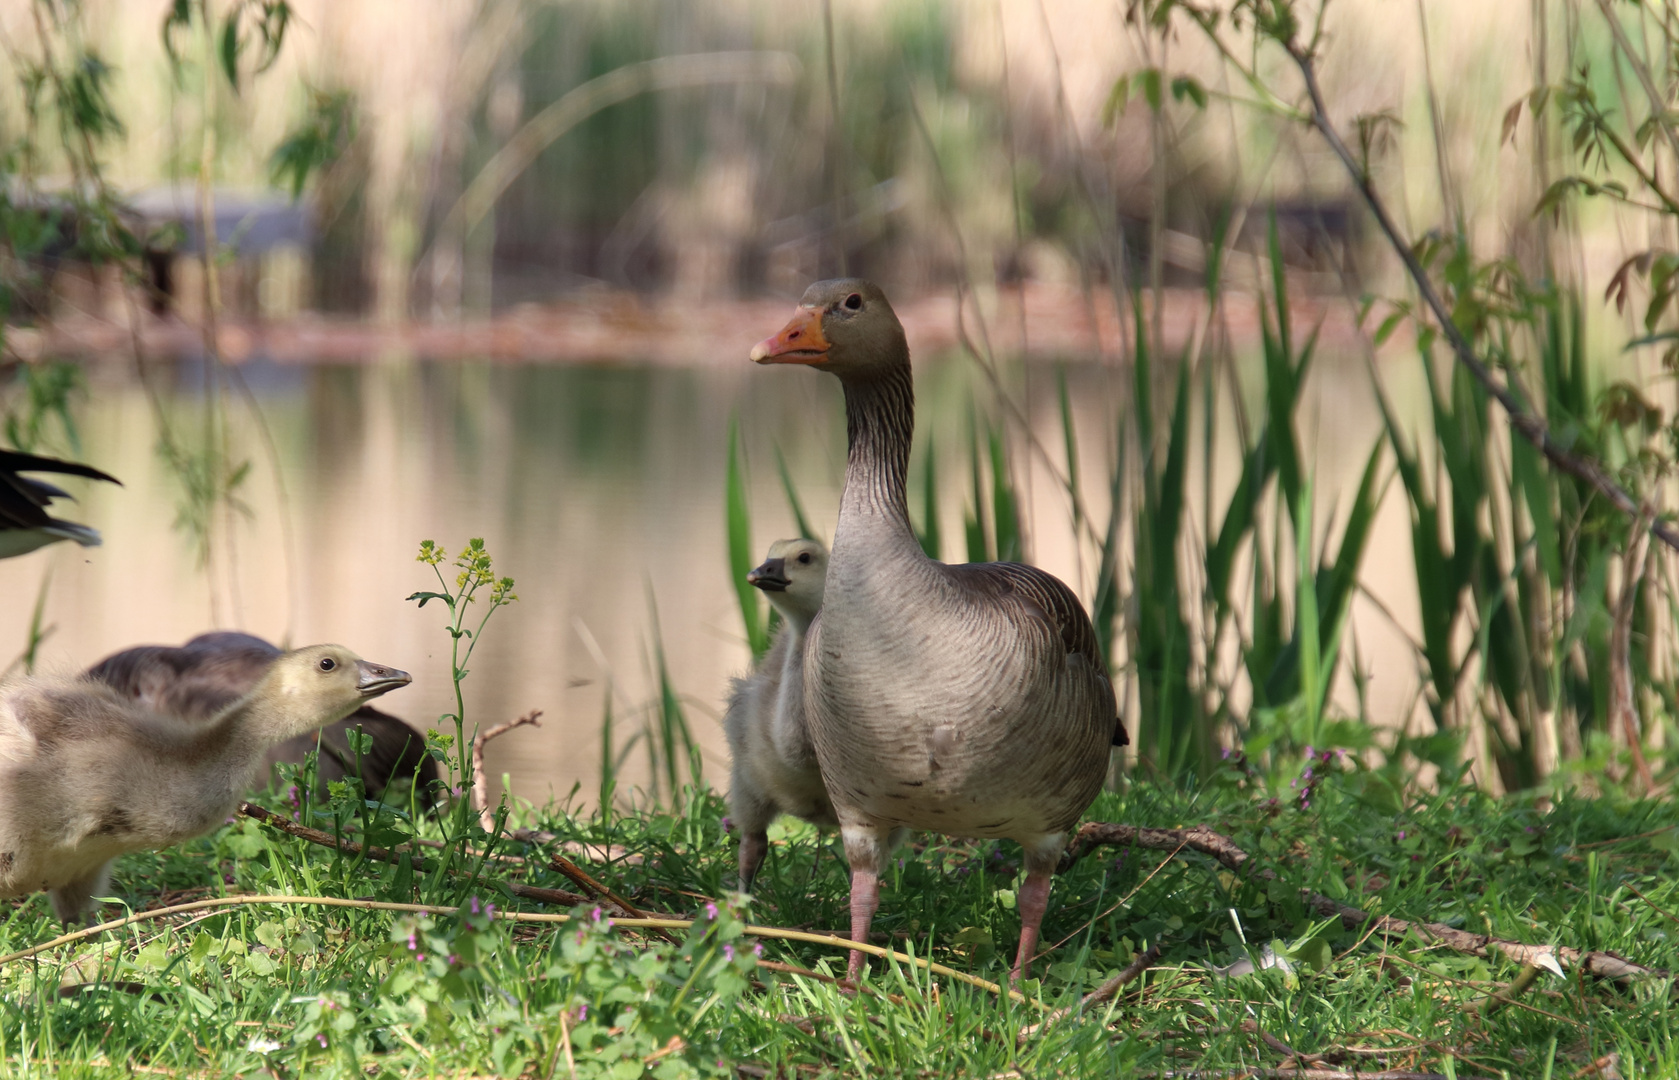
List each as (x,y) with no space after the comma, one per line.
(804,557)
(854,301)
(328,663)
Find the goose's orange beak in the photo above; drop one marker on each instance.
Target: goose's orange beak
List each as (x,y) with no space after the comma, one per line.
(799,342)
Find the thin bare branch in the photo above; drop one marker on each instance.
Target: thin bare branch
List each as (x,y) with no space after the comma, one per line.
(480,779)
(420,864)
(1511,397)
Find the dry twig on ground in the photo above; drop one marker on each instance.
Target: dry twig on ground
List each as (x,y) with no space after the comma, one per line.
(1224,851)
(481,781)
(350,847)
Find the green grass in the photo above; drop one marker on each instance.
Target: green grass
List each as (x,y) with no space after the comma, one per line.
(194,995)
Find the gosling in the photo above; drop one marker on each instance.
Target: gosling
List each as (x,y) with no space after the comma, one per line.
(774,763)
(87,775)
(196,681)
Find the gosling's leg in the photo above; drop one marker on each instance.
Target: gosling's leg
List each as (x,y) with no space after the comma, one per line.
(752,813)
(70,901)
(1042,855)
(753,847)
(863,851)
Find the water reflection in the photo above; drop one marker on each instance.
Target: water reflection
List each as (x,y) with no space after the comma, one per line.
(597,488)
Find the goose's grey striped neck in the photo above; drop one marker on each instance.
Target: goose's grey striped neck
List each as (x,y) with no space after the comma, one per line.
(880,424)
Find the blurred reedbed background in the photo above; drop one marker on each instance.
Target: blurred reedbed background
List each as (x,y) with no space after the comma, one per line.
(494,271)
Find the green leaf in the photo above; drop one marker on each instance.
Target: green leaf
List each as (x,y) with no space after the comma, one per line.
(1188,86)
(1118,98)
(230,46)
(1149,82)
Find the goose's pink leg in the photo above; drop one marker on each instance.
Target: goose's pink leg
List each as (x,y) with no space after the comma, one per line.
(865,899)
(1032,900)
(864,852)
(1043,854)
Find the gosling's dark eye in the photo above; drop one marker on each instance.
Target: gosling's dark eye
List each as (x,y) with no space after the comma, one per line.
(805,557)
(854,301)
(328,663)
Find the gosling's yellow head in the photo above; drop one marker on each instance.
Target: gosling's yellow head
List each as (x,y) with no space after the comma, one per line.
(321,684)
(793,577)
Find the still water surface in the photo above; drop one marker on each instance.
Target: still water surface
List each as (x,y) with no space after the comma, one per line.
(599,489)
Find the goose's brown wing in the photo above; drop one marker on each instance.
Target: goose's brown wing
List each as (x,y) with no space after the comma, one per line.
(1031,593)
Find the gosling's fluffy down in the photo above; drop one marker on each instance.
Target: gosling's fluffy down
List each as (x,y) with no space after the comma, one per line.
(774,763)
(196,681)
(87,775)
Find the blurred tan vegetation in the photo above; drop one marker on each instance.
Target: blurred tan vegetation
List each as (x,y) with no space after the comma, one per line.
(753,186)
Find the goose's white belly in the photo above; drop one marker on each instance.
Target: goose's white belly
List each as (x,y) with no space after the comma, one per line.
(921,719)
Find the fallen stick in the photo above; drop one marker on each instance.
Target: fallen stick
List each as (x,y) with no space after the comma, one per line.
(350,847)
(1102,993)
(480,780)
(1224,851)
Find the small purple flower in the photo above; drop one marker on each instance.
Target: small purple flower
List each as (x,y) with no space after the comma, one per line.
(595,914)
(474,902)
(728,824)
(758,949)
(1310,752)
(489,910)
(320,1037)
(711,911)
(729,953)
(453,960)
(1225,753)
(582,1012)
(1401,834)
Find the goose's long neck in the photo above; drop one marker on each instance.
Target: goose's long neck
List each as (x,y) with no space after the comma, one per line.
(880,424)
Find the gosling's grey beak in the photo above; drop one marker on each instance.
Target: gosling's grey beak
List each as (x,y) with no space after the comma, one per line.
(770,577)
(374,679)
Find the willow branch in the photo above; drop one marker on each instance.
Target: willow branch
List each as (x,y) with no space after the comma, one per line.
(1529,425)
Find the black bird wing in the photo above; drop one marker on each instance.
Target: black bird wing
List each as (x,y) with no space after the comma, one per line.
(23,500)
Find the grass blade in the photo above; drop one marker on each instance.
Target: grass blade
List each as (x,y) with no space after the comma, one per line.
(741,555)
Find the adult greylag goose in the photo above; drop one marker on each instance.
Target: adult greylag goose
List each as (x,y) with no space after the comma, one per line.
(967,700)
(87,774)
(24,522)
(773,765)
(196,681)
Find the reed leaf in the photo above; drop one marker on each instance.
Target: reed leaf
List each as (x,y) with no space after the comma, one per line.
(973,524)
(741,556)
(1005,513)
(803,524)
(928,536)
